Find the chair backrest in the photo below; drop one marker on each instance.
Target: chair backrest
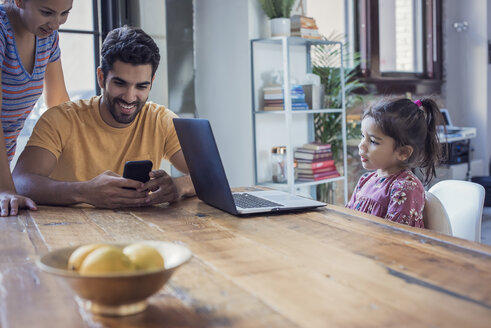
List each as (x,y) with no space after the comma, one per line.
(463,201)
(434,215)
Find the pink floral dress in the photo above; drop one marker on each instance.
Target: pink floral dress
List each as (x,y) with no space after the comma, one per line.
(399,197)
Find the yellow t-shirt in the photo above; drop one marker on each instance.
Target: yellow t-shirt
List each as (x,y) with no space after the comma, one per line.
(86,146)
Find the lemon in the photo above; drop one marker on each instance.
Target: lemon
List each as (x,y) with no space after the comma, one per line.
(144,257)
(79,255)
(106,259)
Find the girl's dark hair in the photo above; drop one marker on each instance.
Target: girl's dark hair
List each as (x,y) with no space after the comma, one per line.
(130,45)
(411,125)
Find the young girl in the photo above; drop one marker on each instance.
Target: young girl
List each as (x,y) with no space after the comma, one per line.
(396,136)
(30,57)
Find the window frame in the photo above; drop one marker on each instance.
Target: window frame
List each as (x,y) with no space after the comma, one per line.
(106,15)
(96,35)
(366,20)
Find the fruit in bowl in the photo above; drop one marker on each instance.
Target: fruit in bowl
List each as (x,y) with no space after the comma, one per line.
(116,278)
(104,258)
(144,257)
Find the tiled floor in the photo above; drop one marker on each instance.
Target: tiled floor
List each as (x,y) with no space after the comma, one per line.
(486,226)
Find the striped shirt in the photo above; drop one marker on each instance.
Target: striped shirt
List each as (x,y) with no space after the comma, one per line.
(21,90)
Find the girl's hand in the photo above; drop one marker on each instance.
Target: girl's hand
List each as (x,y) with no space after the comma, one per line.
(14,202)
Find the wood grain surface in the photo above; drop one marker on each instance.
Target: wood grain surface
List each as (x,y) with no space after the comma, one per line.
(331,267)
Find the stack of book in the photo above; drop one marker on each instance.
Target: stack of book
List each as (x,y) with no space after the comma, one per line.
(274,99)
(314,162)
(304,27)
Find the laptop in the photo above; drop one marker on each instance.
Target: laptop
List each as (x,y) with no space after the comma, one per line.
(211,184)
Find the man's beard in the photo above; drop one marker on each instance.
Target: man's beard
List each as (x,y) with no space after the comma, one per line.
(118,115)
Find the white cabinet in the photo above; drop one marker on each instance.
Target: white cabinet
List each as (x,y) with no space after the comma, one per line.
(291,56)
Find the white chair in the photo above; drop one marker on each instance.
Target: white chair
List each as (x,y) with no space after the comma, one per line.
(434,215)
(463,201)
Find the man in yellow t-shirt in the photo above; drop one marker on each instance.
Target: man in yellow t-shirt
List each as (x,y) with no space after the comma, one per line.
(77,151)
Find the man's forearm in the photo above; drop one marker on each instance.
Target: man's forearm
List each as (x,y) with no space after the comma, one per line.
(44,190)
(184,186)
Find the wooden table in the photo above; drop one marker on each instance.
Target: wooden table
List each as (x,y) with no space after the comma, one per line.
(331,267)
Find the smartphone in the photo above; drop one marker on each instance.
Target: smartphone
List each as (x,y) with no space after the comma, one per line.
(137,170)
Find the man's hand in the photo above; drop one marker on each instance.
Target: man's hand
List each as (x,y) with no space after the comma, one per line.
(163,188)
(14,202)
(107,191)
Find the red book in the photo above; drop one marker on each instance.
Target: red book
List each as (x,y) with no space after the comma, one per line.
(318,174)
(315,160)
(319,177)
(316,170)
(312,155)
(313,151)
(315,165)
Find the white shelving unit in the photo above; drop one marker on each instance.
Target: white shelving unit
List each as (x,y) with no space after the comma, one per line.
(285,45)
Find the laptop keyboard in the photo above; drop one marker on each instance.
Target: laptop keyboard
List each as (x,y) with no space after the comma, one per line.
(246,200)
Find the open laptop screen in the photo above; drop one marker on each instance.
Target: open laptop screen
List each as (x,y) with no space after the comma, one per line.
(204,163)
(446,117)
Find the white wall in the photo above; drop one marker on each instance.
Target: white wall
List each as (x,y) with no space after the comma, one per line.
(328,14)
(466,88)
(223,90)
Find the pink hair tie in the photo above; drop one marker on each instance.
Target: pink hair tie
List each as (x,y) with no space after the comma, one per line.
(418,103)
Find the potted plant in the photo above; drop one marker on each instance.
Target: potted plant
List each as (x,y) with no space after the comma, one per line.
(325,60)
(279,13)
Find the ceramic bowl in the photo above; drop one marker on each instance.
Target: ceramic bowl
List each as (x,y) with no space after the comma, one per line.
(117,293)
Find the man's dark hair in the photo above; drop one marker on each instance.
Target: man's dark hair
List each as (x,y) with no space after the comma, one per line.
(130,45)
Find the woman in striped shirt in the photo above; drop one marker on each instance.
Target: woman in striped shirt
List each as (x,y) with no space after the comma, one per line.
(30,59)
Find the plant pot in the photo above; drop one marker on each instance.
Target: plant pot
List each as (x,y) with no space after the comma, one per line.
(280,27)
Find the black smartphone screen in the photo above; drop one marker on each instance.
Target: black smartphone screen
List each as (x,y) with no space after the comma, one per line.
(137,170)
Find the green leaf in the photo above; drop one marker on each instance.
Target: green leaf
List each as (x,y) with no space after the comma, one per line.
(328,127)
(277,8)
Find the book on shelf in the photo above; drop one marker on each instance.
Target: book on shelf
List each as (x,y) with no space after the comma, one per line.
(306,33)
(279,96)
(312,156)
(274,98)
(304,27)
(311,170)
(316,145)
(314,165)
(303,106)
(281,101)
(314,177)
(318,174)
(300,21)
(303,36)
(313,151)
(278,89)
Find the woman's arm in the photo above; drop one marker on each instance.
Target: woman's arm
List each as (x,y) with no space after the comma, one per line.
(54,85)
(8,195)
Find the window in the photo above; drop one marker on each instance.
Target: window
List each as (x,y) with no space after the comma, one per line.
(401,36)
(79,44)
(400,45)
